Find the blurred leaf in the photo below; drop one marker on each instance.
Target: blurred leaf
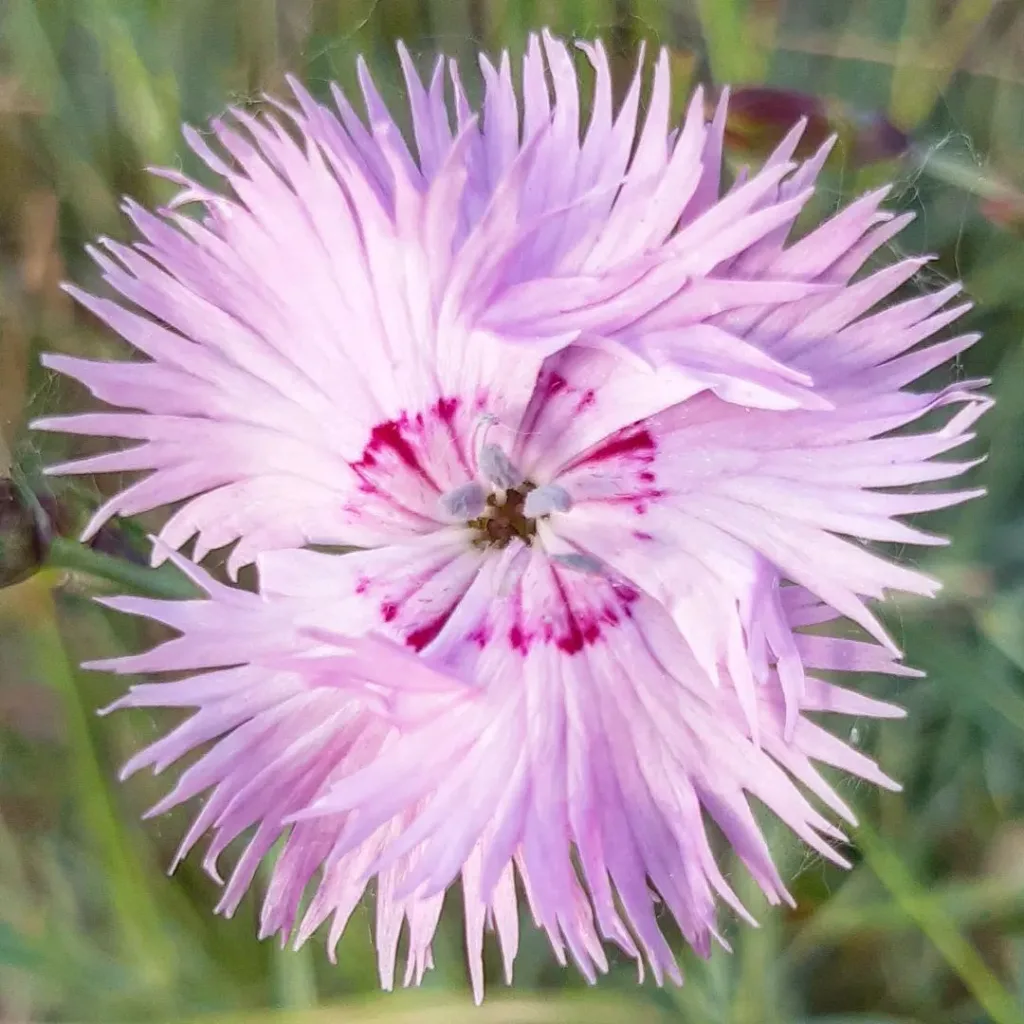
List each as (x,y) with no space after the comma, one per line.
(16,951)
(928,64)
(987,900)
(856,1018)
(135,910)
(961,956)
(418,1007)
(147,104)
(34,56)
(733,49)
(1005,211)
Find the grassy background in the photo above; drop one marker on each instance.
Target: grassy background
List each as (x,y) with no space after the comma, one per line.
(928,927)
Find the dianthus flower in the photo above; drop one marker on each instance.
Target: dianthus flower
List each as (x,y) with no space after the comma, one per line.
(604,443)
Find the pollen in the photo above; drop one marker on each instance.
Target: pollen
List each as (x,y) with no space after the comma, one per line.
(504,519)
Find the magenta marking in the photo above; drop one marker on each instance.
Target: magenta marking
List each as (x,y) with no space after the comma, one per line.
(419,638)
(446,409)
(576,630)
(480,636)
(389,435)
(553,384)
(549,385)
(573,641)
(641,443)
(587,399)
(650,494)
(518,639)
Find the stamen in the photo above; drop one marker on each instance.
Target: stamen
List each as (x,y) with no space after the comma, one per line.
(542,501)
(465,502)
(497,467)
(481,428)
(580,562)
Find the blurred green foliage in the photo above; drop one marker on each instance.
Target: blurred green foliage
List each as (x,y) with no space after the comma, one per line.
(928,927)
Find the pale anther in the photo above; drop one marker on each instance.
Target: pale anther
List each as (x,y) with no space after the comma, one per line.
(464,502)
(580,562)
(497,467)
(542,501)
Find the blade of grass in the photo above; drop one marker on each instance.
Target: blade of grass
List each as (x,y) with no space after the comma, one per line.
(16,950)
(147,104)
(986,901)
(922,73)
(733,47)
(1000,623)
(293,979)
(939,928)
(136,916)
(758,981)
(34,59)
(260,47)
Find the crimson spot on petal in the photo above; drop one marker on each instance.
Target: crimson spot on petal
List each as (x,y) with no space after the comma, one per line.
(518,639)
(639,443)
(419,638)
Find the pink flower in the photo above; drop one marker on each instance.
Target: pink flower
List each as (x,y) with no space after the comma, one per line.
(609,443)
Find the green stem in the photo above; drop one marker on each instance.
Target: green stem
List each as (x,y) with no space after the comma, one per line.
(292,972)
(165,581)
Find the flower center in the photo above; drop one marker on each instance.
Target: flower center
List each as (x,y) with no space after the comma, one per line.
(504,518)
(500,504)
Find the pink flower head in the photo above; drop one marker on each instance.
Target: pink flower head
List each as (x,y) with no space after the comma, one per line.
(607,440)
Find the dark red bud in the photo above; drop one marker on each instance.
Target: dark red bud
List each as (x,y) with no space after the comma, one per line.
(875,138)
(760,117)
(25,533)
